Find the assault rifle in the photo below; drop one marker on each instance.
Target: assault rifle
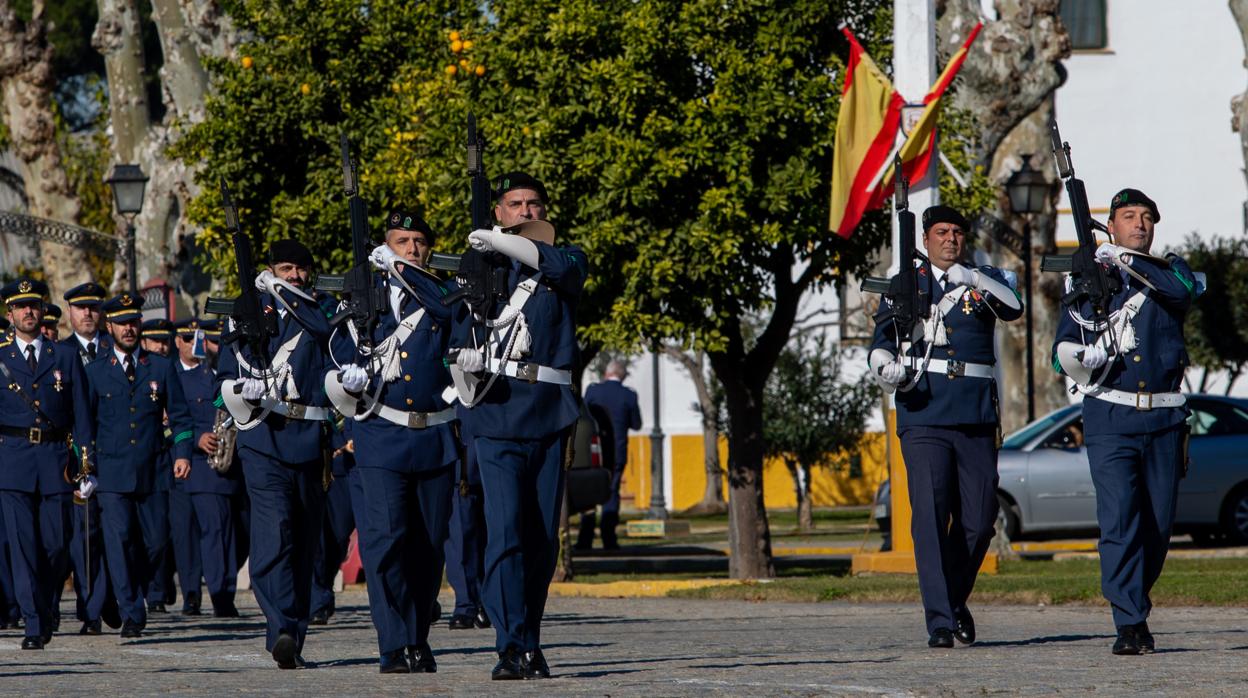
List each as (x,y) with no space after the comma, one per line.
(250,323)
(482,277)
(909,302)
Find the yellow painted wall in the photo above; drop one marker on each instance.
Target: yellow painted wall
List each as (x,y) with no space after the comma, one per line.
(832,486)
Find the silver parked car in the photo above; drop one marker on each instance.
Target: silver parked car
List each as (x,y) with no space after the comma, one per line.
(1046,485)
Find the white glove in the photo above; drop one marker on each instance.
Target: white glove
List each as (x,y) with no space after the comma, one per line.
(1108,252)
(265,281)
(253,389)
(959,275)
(354,378)
(893,373)
(383,257)
(482,240)
(470,360)
(87,486)
(1094,356)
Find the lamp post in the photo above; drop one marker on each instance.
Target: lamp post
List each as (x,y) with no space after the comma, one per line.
(1028,190)
(658,504)
(128,184)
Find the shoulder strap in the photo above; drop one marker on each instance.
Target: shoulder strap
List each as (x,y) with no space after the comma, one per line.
(13,385)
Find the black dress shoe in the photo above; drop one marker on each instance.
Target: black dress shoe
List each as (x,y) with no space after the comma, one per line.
(1128,641)
(225,611)
(941,638)
(460,622)
(111,615)
(130,629)
(509,667)
(535,666)
(483,619)
(91,627)
(32,642)
(435,613)
(1147,644)
(964,629)
(285,651)
(421,659)
(157,607)
(394,663)
(321,617)
(192,610)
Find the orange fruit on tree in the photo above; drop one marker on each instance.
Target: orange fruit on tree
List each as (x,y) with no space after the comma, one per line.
(451,69)
(457,46)
(454,36)
(305,88)
(247,62)
(479,70)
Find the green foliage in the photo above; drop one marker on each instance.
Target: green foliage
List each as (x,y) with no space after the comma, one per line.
(958,136)
(87,157)
(811,414)
(1216,329)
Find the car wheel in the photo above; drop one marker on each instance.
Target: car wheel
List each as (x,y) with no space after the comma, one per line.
(1007,517)
(1235,517)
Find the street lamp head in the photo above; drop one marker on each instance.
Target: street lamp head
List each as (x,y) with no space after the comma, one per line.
(127,183)
(1028,189)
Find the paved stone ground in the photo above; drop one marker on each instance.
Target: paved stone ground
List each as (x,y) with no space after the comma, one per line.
(614,647)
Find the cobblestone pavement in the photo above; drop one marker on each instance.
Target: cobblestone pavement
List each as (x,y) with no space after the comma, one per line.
(665,647)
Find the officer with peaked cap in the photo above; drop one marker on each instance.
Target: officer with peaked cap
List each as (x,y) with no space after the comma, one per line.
(41,406)
(51,318)
(516,385)
(130,392)
(282,415)
(1130,372)
(404,443)
(947,417)
(156,337)
(83,307)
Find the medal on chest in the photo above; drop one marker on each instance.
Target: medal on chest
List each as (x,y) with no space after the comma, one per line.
(155,395)
(57,385)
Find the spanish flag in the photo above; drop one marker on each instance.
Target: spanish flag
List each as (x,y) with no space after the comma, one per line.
(916,152)
(865,131)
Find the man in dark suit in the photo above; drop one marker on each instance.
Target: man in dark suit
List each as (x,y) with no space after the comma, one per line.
(42,405)
(619,404)
(947,417)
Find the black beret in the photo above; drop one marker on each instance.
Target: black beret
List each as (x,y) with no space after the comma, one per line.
(89,293)
(24,289)
(291,251)
(1133,197)
(403,219)
(944,214)
(51,313)
(519,180)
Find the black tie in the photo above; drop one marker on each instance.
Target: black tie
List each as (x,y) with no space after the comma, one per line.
(91,351)
(130,367)
(31,360)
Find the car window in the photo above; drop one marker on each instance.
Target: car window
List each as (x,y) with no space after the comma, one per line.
(1022,437)
(1217,419)
(1069,437)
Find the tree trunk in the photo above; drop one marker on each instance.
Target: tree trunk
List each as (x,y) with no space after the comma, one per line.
(805,508)
(713,495)
(563,566)
(26,81)
(1239,103)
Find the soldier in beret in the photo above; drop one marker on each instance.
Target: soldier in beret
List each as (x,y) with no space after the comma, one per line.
(130,393)
(42,405)
(947,417)
(1130,371)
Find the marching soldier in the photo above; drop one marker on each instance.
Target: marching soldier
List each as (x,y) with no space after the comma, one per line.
(42,404)
(156,337)
(521,413)
(211,552)
(130,393)
(51,318)
(404,446)
(282,418)
(1134,415)
(83,302)
(947,418)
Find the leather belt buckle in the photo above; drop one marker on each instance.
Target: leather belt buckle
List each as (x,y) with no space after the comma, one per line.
(526,371)
(295,410)
(1144,401)
(35,435)
(953,369)
(417,420)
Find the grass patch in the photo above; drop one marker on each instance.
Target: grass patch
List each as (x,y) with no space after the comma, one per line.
(1212,582)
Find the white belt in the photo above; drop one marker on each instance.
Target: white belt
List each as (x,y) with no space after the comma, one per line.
(953,369)
(415,420)
(1140,401)
(526,371)
(293,410)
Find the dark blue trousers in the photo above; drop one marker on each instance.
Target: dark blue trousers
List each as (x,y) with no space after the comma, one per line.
(403,525)
(287,503)
(36,526)
(136,534)
(334,542)
(523,483)
(218,549)
(9,610)
(610,516)
(952,474)
(184,538)
(465,540)
(1137,485)
(89,605)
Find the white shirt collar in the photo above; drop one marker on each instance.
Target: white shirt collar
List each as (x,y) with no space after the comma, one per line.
(186,366)
(121,355)
(22,344)
(84,341)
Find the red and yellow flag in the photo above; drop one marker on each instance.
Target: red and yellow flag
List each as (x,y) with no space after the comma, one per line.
(865,131)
